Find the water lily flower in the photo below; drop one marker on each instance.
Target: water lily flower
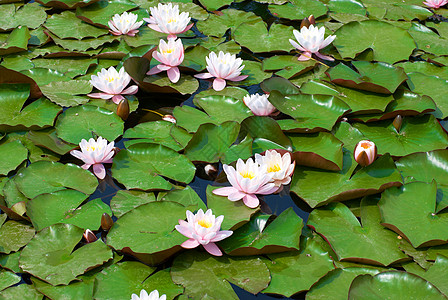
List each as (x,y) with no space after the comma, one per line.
(223,66)
(170,56)
(144,296)
(280,166)
(365,153)
(203,229)
(95,153)
(169,118)
(126,23)
(311,39)
(166,18)
(259,104)
(247,180)
(435,3)
(112,84)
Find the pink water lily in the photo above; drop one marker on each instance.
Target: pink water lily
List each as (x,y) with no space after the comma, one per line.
(223,66)
(279,165)
(170,56)
(144,296)
(112,84)
(365,153)
(259,104)
(167,19)
(435,3)
(95,153)
(247,180)
(203,229)
(311,39)
(126,23)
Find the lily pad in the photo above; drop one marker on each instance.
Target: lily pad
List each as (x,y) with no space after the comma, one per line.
(202,274)
(12,154)
(140,167)
(217,24)
(344,185)
(66,4)
(125,201)
(288,65)
(14,235)
(55,246)
(99,13)
(47,138)
(47,177)
(379,36)
(401,214)
(435,274)
(7,279)
(88,121)
(82,290)
(67,93)
(20,16)
(22,291)
(16,41)
(427,40)
(82,45)
(351,239)
(298,9)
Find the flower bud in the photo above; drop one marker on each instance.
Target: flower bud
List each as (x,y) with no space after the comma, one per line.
(123,109)
(365,153)
(397,122)
(106,222)
(89,236)
(169,118)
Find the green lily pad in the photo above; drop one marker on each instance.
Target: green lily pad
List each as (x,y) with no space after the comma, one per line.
(374,77)
(417,134)
(20,16)
(47,177)
(125,201)
(57,24)
(22,291)
(258,236)
(99,13)
(67,93)
(352,241)
(223,108)
(217,24)
(191,118)
(214,4)
(10,261)
(12,154)
(84,44)
(65,207)
(87,121)
(343,185)
(185,196)
(36,153)
(288,65)
(130,277)
(16,41)
(297,271)
(393,285)
(425,68)
(379,36)
(435,274)
(14,235)
(319,150)
(7,279)
(82,290)
(66,4)
(147,234)
(311,112)
(427,40)
(54,245)
(255,71)
(400,214)
(255,37)
(347,6)
(298,9)
(139,167)
(201,274)
(44,76)
(70,67)
(47,138)
(427,167)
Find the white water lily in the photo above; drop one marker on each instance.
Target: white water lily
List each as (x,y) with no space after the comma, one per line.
(170,56)
(203,229)
(126,23)
(311,40)
(224,66)
(278,165)
(365,153)
(259,104)
(167,19)
(112,84)
(144,296)
(95,153)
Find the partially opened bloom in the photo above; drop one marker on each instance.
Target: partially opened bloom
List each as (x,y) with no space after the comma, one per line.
(247,180)
(112,84)
(280,166)
(223,66)
(311,39)
(203,229)
(95,153)
(435,3)
(259,104)
(365,153)
(167,19)
(126,23)
(170,56)
(144,296)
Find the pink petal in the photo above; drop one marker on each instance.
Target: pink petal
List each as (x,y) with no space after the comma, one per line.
(238,78)
(184,230)
(305,56)
(213,249)
(189,244)
(251,200)
(186,28)
(219,84)
(85,166)
(237,195)
(325,57)
(220,235)
(117,99)
(133,89)
(174,74)
(172,36)
(154,70)
(99,171)
(203,76)
(155,27)
(100,95)
(163,67)
(225,191)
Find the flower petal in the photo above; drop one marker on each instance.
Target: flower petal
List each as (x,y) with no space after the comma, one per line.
(213,249)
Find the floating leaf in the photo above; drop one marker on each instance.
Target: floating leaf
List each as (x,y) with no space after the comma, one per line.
(66,93)
(14,235)
(7,279)
(66,4)
(49,140)
(217,24)
(99,13)
(20,16)
(201,274)
(214,4)
(427,40)
(82,290)
(55,246)
(84,44)
(288,65)
(125,201)
(435,274)
(347,6)
(12,154)
(16,41)
(22,291)
(298,9)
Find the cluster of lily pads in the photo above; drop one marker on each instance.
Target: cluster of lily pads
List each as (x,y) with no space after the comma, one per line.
(337,106)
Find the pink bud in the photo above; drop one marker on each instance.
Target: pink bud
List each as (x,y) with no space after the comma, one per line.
(365,153)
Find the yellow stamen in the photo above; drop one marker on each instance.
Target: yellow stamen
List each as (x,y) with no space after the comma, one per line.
(247,174)
(171,50)
(204,223)
(274,168)
(172,20)
(365,145)
(110,79)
